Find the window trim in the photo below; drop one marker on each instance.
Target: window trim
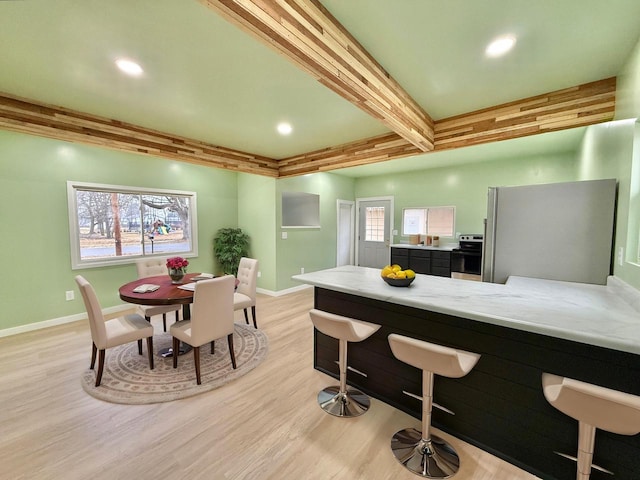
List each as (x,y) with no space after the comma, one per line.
(453,226)
(77,263)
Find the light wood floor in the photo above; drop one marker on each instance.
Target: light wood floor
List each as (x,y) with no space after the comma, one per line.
(265,425)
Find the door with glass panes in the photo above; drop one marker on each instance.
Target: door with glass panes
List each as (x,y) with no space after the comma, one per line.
(374,233)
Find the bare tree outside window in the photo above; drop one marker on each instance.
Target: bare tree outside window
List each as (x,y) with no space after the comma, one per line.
(114,224)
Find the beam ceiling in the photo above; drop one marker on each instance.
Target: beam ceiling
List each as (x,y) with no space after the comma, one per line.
(578,106)
(25,116)
(307,34)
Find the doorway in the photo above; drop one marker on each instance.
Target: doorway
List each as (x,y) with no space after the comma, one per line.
(346,233)
(374,220)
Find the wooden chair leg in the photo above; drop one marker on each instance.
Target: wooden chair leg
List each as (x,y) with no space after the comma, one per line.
(140,347)
(164,321)
(94,350)
(253,314)
(246,316)
(213,346)
(100,368)
(196,362)
(176,351)
(150,351)
(231,351)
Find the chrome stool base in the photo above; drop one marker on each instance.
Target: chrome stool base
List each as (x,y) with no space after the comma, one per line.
(351,404)
(431,459)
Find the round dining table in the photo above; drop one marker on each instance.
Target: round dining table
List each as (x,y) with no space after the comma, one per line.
(168,293)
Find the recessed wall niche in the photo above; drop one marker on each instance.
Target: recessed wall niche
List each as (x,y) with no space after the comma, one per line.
(300,210)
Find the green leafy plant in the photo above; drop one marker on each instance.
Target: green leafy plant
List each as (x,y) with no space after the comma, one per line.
(229,246)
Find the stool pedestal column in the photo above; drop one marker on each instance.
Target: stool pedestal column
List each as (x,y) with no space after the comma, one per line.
(343,401)
(422,453)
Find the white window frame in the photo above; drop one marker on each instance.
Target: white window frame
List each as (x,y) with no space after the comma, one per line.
(425,215)
(74,229)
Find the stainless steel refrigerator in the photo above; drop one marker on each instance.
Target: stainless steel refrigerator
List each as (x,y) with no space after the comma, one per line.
(558,231)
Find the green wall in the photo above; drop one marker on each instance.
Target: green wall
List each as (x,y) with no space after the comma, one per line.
(310,248)
(464,186)
(35,227)
(257,217)
(607,152)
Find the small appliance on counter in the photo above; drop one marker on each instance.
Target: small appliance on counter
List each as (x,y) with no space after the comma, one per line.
(467,258)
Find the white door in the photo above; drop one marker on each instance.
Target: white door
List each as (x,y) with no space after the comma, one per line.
(346,232)
(374,232)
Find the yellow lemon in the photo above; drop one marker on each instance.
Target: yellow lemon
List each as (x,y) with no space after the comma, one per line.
(401,274)
(396,267)
(386,271)
(391,275)
(410,273)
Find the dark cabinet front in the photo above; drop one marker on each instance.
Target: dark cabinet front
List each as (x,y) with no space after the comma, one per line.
(427,262)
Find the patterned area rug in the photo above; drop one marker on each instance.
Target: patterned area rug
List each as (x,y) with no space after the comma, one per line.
(127,378)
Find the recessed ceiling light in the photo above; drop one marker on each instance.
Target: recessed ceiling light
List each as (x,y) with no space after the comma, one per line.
(500,46)
(129,67)
(284,128)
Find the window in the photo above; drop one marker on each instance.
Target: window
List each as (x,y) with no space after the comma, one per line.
(112,224)
(374,226)
(429,221)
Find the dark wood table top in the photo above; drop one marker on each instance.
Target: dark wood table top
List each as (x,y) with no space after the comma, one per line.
(167,294)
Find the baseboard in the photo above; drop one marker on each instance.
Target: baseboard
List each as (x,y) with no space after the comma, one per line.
(30,327)
(280,293)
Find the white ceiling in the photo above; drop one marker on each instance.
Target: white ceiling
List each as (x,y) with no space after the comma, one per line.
(205,79)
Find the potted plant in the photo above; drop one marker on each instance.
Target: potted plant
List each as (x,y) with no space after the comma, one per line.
(229,245)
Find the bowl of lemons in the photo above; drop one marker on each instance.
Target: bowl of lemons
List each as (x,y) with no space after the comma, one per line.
(395,276)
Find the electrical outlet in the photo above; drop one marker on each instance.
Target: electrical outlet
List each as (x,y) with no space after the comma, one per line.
(259,274)
(69,295)
(284,235)
(301,269)
(395,232)
(620,256)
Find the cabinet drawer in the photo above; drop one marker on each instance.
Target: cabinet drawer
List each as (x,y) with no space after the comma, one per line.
(440,263)
(421,253)
(440,271)
(439,255)
(420,265)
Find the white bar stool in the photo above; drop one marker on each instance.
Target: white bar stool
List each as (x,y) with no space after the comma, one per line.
(422,453)
(343,401)
(593,407)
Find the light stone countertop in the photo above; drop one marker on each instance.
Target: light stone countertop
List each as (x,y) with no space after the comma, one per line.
(606,316)
(447,247)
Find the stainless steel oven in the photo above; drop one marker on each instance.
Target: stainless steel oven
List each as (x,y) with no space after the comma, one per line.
(467,258)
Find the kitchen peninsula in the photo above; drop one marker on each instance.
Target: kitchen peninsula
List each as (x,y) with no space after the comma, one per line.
(521,329)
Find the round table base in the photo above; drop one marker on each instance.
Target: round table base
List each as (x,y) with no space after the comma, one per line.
(168,352)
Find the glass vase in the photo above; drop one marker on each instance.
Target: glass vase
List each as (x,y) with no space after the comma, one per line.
(176,274)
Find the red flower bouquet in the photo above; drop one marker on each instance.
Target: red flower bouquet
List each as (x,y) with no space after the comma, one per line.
(177,263)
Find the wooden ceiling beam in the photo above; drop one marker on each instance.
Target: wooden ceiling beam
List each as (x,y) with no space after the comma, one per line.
(306,33)
(578,106)
(26,116)
(568,108)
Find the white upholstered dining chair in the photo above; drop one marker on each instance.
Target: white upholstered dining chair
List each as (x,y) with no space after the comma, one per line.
(149,267)
(245,295)
(211,318)
(111,333)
